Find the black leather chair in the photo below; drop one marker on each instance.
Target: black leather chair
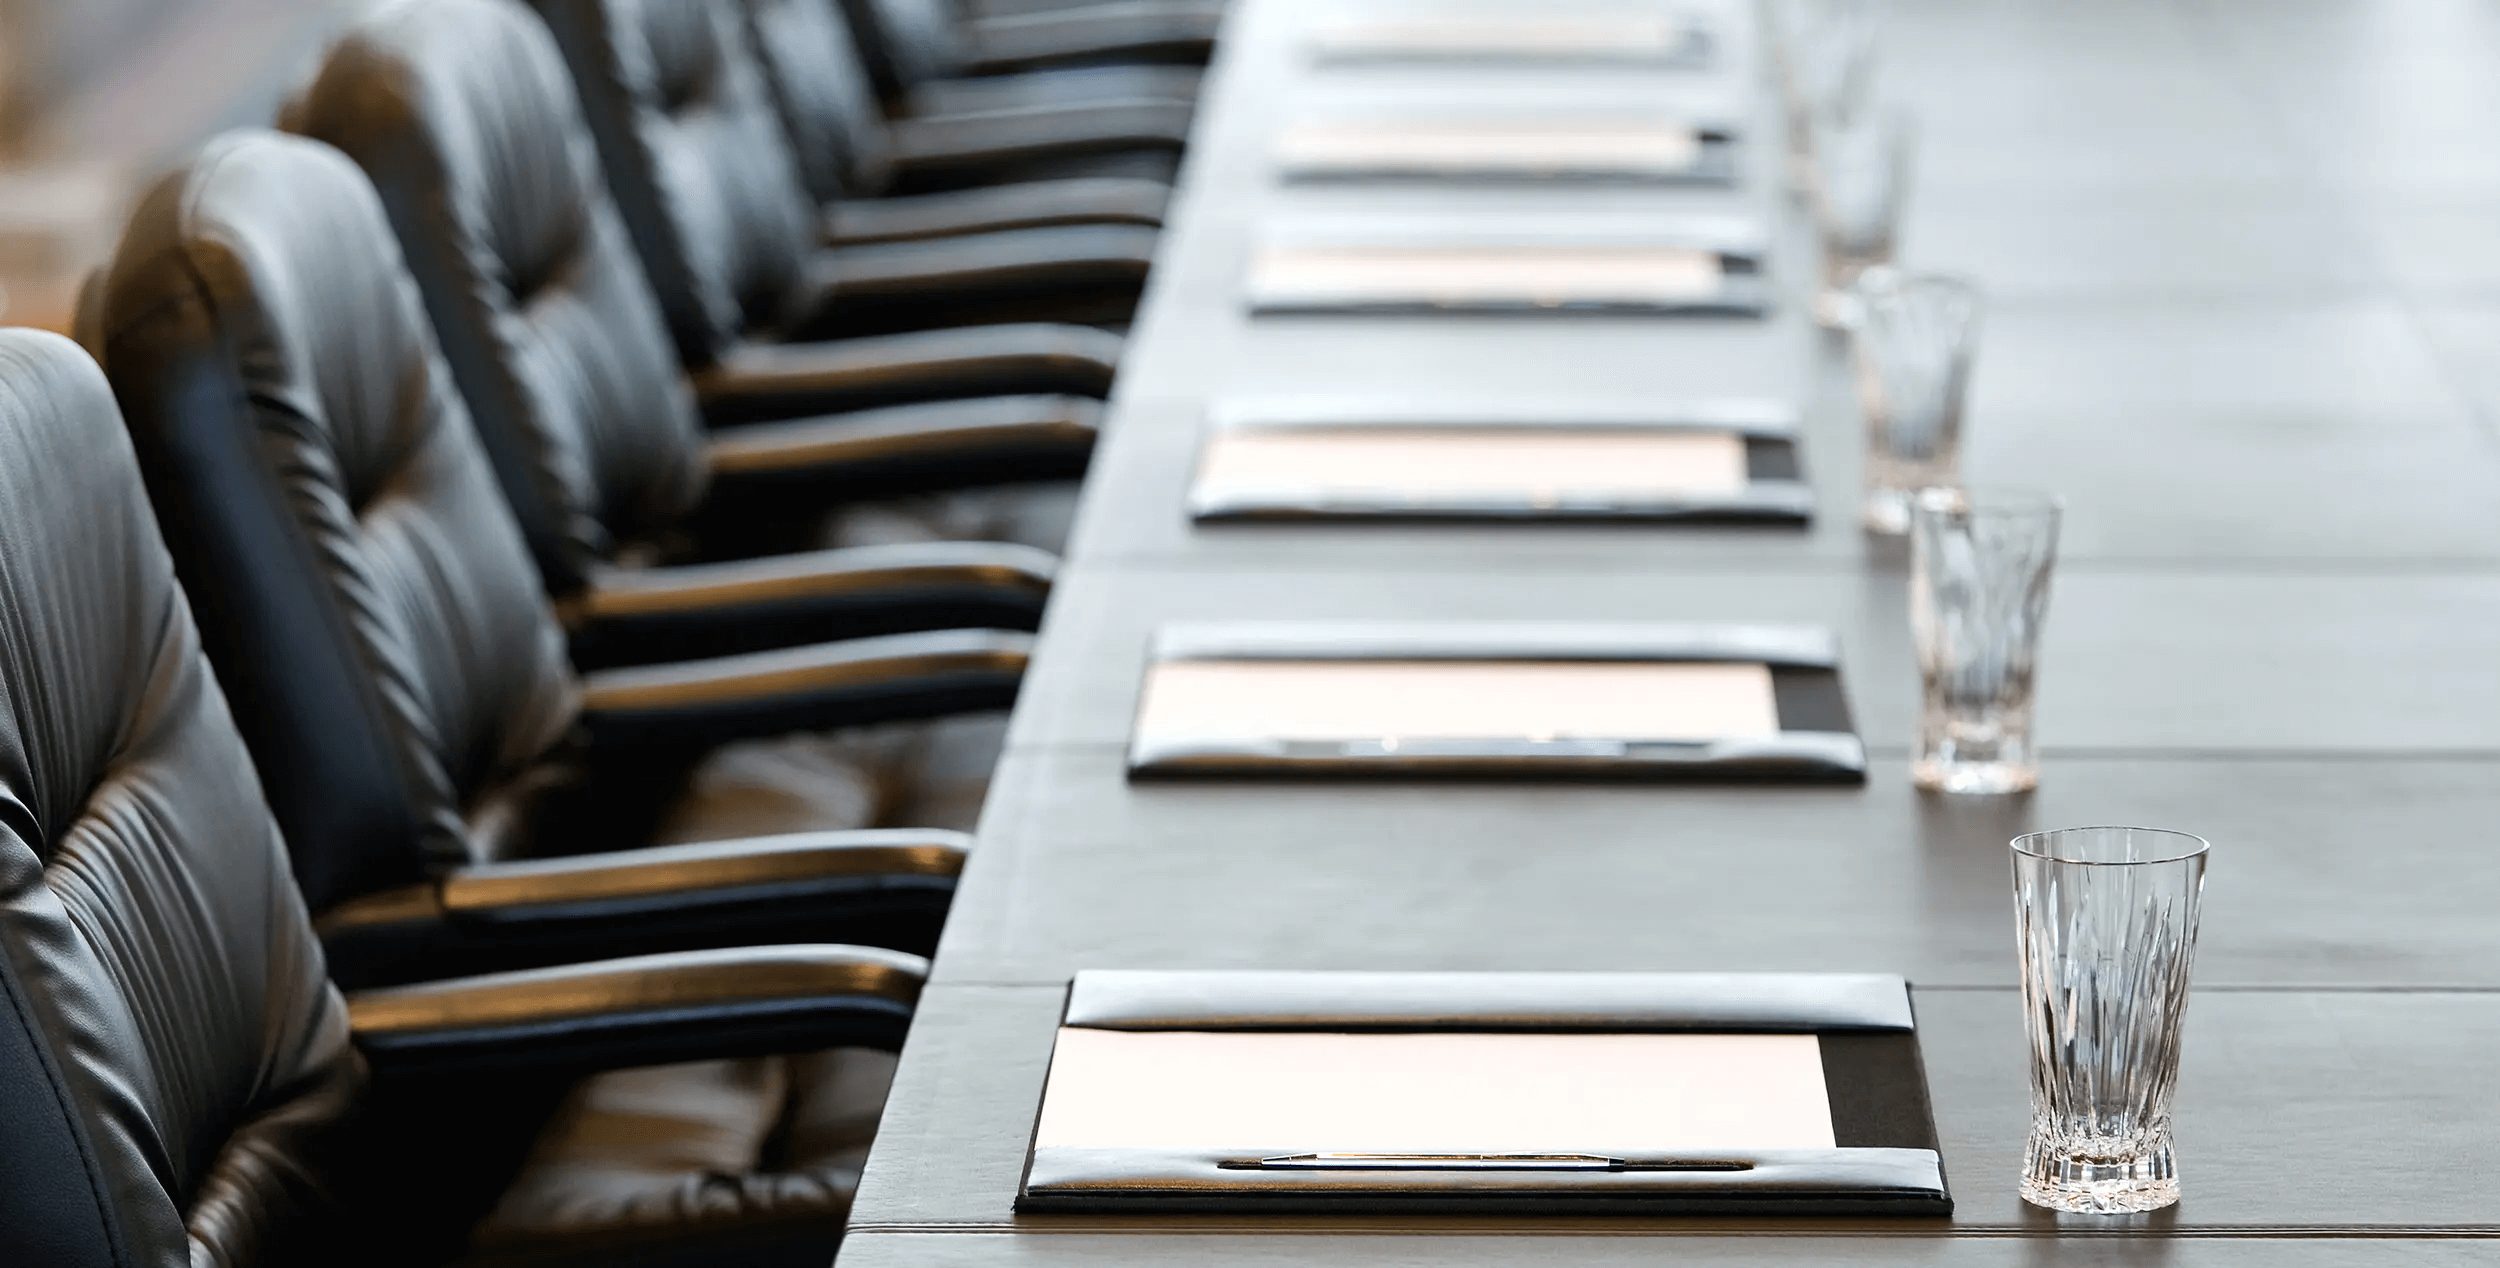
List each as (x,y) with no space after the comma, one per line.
(455,793)
(929,58)
(854,161)
(181,1083)
(711,193)
(657,542)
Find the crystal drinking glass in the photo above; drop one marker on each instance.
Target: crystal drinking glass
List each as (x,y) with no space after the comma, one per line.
(1862,182)
(1979,589)
(2105,919)
(1912,339)
(1827,66)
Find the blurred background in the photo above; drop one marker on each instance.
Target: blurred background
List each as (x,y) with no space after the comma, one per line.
(97,94)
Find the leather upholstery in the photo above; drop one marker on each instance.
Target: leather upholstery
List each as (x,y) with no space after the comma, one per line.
(1128,140)
(1074,272)
(839,135)
(712,195)
(398,667)
(915,45)
(462,113)
(694,704)
(1070,88)
(365,590)
(456,111)
(672,1155)
(640,1010)
(913,446)
(697,160)
(906,42)
(745,605)
(1004,8)
(1024,204)
(750,891)
(1113,31)
(174,1066)
(819,81)
(175,1069)
(755,381)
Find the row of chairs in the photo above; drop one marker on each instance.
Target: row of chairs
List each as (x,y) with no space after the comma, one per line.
(609,449)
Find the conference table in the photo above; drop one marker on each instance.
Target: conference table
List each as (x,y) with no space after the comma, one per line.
(2243,268)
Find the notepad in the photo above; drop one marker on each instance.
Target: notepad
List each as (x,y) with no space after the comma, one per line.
(1525,148)
(1607,37)
(1439,1092)
(1528,463)
(1221,700)
(1471,1094)
(1541,275)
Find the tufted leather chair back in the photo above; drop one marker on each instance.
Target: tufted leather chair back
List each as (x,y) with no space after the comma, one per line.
(697,157)
(364,591)
(813,66)
(174,1067)
(463,115)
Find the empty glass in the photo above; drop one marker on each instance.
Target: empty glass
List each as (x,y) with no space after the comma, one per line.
(1863,179)
(2105,919)
(1912,337)
(1827,65)
(1979,589)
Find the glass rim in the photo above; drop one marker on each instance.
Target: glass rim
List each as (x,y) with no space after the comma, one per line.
(2197,846)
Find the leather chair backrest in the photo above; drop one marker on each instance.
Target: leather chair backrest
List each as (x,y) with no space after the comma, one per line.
(813,67)
(698,160)
(364,589)
(907,42)
(463,115)
(174,1066)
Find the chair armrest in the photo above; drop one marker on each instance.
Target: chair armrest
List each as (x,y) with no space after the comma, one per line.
(1073,200)
(645,1010)
(682,612)
(878,887)
(925,148)
(1057,272)
(767,381)
(857,682)
(906,449)
(1116,30)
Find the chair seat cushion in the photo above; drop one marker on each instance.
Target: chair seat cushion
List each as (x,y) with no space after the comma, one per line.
(1030,514)
(752,1162)
(792,783)
(921,775)
(949,775)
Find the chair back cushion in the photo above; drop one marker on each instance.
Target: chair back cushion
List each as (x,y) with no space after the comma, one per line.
(463,115)
(820,84)
(174,1066)
(364,591)
(696,154)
